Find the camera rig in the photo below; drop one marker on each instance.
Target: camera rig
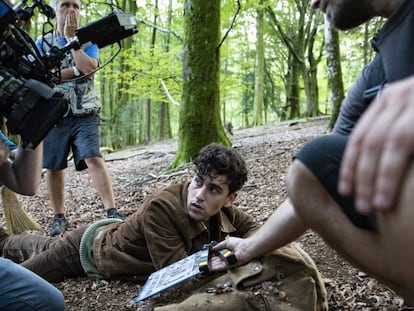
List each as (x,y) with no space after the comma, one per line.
(27,78)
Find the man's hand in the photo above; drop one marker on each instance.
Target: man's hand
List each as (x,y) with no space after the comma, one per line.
(71,24)
(236,245)
(380,149)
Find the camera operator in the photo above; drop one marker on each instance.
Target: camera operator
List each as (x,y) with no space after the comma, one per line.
(79,130)
(21,289)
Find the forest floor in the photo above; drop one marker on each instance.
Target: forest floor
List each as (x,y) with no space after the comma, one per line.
(136,172)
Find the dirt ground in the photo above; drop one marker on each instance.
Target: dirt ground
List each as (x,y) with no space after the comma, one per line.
(136,172)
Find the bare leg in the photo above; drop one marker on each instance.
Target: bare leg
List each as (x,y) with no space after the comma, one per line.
(397,235)
(56,189)
(387,254)
(101,180)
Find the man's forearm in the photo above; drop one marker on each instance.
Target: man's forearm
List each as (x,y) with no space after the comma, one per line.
(283,227)
(84,63)
(27,169)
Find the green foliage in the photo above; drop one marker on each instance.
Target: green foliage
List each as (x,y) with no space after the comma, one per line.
(143,72)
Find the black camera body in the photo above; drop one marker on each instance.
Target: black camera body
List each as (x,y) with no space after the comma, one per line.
(27,98)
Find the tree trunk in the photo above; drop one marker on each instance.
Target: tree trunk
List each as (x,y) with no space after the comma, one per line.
(114,97)
(335,83)
(297,34)
(148,101)
(200,122)
(164,126)
(310,72)
(293,94)
(259,75)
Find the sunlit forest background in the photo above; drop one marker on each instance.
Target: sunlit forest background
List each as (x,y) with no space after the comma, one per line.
(278,61)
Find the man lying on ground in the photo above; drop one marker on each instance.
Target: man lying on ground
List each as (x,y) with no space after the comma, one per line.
(172,224)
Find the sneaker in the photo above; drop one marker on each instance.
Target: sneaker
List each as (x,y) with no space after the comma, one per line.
(113,213)
(59,225)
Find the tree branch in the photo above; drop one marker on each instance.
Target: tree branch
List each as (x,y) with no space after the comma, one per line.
(161,29)
(164,86)
(231,25)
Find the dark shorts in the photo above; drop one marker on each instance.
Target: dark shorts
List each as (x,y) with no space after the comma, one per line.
(79,134)
(323,157)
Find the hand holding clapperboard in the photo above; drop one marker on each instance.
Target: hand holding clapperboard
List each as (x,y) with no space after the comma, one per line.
(183,270)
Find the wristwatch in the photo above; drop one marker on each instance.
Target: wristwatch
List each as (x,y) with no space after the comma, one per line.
(76,71)
(71,39)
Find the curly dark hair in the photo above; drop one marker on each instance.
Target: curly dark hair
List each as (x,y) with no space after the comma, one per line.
(216,159)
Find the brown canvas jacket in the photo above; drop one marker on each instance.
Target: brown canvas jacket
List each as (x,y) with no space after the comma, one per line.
(160,233)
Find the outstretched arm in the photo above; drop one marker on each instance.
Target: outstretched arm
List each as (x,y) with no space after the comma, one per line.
(283,227)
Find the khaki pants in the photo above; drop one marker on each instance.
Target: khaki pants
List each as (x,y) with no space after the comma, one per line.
(53,259)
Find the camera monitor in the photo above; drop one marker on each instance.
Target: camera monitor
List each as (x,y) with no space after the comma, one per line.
(109,29)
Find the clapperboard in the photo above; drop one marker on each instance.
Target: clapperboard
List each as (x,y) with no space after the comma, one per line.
(181,271)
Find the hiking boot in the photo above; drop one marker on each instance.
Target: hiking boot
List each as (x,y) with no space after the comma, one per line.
(113,213)
(59,225)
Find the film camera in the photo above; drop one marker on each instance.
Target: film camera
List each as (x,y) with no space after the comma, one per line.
(27,78)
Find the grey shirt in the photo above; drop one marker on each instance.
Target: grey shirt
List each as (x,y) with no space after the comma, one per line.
(394,45)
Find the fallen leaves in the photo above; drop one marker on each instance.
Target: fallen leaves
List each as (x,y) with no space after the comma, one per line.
(139,171)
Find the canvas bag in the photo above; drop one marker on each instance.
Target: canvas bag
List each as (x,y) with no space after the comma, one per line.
(296,286)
